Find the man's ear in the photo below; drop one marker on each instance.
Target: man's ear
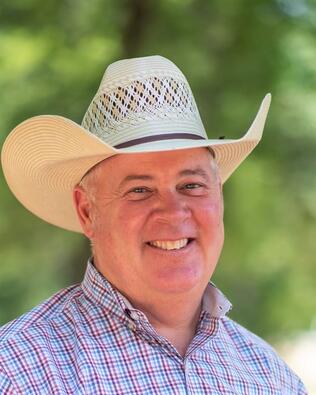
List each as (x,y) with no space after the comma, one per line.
(83,206)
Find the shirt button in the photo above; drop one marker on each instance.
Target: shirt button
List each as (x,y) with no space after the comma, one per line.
(131,326)
(134,315)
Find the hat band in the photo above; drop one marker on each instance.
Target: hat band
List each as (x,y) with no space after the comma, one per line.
(149,139)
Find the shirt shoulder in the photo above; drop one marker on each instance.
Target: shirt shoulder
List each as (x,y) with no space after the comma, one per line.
(241,336)
(256,351)
(247,342)
(51,309)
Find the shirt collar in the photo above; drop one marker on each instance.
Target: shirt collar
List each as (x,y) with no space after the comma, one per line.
(98,289)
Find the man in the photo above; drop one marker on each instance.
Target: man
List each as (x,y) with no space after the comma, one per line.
(143,182)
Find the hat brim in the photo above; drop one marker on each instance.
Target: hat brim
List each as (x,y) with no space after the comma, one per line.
(44,157)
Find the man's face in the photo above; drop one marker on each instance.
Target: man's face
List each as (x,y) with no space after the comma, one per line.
(156,221)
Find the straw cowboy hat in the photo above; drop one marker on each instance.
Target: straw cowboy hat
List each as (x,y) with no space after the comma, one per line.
(142,105)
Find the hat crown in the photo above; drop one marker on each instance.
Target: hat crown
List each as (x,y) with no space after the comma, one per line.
(142,97)
(127,70)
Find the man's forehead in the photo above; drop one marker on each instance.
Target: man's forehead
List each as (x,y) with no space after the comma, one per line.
(146,166)
(181,161)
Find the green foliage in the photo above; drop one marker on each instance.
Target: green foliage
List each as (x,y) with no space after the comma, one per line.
(53,54)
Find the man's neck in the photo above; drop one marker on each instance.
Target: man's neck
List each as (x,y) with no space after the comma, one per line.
(175,319)
(174,316)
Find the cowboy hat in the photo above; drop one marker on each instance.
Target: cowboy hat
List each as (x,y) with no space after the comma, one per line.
(142,105)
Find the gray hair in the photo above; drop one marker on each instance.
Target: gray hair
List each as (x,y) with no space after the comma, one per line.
(88,181)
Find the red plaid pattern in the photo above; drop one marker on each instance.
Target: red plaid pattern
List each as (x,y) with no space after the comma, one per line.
(87,339)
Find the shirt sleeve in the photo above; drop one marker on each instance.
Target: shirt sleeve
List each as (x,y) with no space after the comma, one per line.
(5,384)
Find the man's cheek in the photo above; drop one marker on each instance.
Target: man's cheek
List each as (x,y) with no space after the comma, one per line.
(212,212)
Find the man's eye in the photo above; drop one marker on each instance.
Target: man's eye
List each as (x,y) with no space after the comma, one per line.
(194,189)
(139,190)
(138,193)
(192,186)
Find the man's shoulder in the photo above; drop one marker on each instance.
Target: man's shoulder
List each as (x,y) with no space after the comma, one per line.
(257,351)
(245,340)
(241,335)
(49,310)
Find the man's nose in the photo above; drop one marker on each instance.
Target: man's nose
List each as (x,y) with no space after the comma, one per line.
(171,206)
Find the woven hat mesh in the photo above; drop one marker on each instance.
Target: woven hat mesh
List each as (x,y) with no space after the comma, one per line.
(153,98)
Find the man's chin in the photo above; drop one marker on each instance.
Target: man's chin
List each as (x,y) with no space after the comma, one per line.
(178,281)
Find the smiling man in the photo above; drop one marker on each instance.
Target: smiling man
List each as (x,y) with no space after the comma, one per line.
(143,182)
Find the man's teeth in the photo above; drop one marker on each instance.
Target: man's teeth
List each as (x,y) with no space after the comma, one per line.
(170,245)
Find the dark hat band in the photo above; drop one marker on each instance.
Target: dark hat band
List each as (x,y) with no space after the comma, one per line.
(149,139)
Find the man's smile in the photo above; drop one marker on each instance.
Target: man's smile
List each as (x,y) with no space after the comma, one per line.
(170,244)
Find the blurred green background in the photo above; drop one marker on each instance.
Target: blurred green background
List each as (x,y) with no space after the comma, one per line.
(52,57)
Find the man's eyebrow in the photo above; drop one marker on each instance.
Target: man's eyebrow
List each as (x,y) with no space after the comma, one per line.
(135,177)
(193,172)
(145,177)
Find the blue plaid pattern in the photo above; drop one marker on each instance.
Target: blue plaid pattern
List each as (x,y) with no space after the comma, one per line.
(88,339)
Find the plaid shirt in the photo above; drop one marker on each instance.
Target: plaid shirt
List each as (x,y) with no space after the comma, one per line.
(88,339)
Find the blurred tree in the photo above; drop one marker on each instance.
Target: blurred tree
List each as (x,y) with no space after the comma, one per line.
(53,55)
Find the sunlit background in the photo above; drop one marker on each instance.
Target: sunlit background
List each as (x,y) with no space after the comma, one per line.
(52,57)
